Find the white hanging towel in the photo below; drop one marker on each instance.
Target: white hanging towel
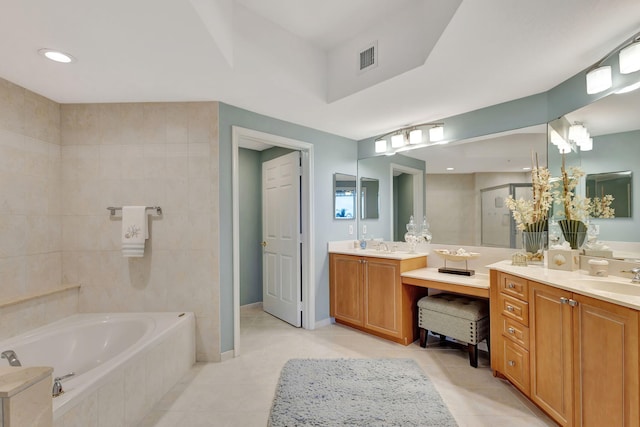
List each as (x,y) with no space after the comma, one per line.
(135,230)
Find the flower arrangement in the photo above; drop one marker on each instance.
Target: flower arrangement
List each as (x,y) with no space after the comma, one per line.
(532,214)
(578,209)
(600,207)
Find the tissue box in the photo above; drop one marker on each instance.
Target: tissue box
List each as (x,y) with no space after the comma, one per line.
(562,259)
(599,253)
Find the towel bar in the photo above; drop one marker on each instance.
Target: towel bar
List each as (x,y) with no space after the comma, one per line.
(113,209)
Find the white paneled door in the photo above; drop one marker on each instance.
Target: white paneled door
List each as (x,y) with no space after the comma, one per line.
(281,292)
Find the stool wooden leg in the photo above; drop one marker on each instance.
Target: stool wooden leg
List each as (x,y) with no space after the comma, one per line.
(423,337)
(473,354)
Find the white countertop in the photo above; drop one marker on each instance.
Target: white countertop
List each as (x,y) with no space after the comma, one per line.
(376,253)
(571,281)
(478,280)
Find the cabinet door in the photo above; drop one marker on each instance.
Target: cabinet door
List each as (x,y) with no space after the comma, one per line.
(382,296)
(606,364)
(346,289)
(551,351)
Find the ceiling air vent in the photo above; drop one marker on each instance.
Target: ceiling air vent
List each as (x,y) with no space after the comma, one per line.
(369,57)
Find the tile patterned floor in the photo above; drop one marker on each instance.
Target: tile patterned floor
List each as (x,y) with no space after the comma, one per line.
(239,392)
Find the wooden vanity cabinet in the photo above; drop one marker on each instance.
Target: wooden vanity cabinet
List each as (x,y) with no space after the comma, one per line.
(583,354)
(367,293)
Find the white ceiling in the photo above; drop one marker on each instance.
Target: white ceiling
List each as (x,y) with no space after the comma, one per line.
(272,56)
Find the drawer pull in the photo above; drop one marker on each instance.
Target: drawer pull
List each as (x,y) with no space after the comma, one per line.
(511,363)
(511,286)
(510,308)
(511,331)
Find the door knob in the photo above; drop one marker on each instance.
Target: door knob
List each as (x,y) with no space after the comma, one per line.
(263,244)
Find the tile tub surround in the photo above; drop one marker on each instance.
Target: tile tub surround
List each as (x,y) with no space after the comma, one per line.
(130,391)
(154,154)
(30,214)
(62,165)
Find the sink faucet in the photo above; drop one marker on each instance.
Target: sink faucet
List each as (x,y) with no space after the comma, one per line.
(636,274)
(383,247)
(12,357)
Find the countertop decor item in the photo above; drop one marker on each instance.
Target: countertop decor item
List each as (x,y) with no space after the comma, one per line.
(460,255)
(356,392)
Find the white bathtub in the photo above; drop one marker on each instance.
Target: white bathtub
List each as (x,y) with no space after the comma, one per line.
(123,362)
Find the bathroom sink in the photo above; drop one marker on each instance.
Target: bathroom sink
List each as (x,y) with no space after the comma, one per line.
(608,286)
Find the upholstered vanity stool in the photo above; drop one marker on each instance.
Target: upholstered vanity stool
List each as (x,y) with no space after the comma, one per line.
(457,316)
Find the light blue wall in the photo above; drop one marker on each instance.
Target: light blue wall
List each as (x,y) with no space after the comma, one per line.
(338,154)
(332,154)
(250,177)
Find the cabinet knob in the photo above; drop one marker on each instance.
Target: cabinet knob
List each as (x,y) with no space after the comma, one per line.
(511,286)
(564,300)
(573,302)
(511,331)
(510,308)
(511,363)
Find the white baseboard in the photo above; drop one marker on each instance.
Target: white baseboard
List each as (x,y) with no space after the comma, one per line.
(253,304)
(325,322)
(227,355)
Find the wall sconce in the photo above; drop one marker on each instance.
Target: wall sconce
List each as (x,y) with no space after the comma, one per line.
(599,76)
(413,135)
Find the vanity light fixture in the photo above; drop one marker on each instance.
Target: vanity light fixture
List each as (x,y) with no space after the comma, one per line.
(57,56)
(599,76)
(410,138)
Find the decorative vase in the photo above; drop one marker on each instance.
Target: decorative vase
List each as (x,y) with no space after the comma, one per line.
(574,232)
(534,243)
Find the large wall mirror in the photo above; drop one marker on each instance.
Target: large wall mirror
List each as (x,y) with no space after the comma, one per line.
(452,199)
(344,196)
(614,125)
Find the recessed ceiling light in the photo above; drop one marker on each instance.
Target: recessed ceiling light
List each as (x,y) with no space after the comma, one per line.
(449,169)
(57,56)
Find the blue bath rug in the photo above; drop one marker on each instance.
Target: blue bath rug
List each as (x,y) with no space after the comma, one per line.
(356,392)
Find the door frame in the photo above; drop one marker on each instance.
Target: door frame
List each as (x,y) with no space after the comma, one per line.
(238,135)
(418,193)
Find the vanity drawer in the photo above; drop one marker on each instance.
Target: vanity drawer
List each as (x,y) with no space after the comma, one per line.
(516,365)
(514,309)
(514,286)
(515,332)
